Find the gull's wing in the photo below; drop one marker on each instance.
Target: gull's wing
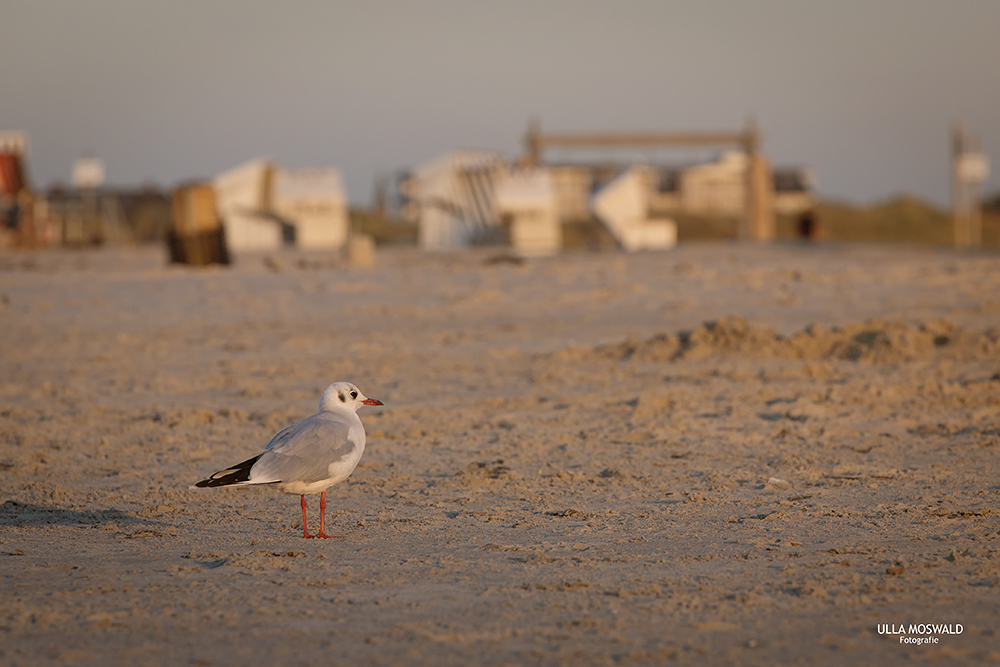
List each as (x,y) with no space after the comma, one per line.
(305,452)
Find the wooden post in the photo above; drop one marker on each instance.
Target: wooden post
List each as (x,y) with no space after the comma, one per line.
(750,148)
(959,220)
(92,223)
(758,215)
(975,216)
(532,145)
(763,196)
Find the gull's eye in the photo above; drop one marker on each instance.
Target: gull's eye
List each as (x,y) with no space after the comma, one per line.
(354,394)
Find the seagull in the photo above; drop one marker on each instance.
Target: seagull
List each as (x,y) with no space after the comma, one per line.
(310,456)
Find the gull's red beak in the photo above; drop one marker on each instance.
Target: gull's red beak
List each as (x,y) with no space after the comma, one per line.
(371,401)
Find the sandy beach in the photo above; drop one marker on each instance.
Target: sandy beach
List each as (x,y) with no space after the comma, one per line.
(723,454)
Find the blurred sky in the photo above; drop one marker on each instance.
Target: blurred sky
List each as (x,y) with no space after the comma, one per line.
(863,91)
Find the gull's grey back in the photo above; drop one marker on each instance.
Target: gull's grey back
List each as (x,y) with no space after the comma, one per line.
(306,450)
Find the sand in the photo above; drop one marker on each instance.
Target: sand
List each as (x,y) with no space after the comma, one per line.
(722,454)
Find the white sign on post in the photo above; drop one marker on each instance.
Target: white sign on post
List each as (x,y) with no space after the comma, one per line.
(88,173)
(973,167)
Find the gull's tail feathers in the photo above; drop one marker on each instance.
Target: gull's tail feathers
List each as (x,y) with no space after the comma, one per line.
(238,474)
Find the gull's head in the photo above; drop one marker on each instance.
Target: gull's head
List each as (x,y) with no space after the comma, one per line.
(344,395)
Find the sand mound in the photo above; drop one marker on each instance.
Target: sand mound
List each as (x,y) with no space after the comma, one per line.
(875,341)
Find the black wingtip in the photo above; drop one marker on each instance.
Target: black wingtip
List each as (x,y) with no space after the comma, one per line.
(238,473)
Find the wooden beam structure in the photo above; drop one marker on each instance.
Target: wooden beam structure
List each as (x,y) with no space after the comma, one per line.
(643,139)
(758,221)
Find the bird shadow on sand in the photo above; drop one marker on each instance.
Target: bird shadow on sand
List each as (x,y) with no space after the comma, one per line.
(15,513)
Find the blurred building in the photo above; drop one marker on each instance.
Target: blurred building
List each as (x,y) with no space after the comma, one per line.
(76,218)
(84,215)
(623,206)
(107,215)
(264,207)
(88,213)
(243,198)
(454,198)
(13,157)
(720,187)
(16,198)
(147,211)
(527,204)
(314,203)
(712,188)
(574,185)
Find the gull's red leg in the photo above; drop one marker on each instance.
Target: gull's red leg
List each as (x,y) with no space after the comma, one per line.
(322,516)
(305,526)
